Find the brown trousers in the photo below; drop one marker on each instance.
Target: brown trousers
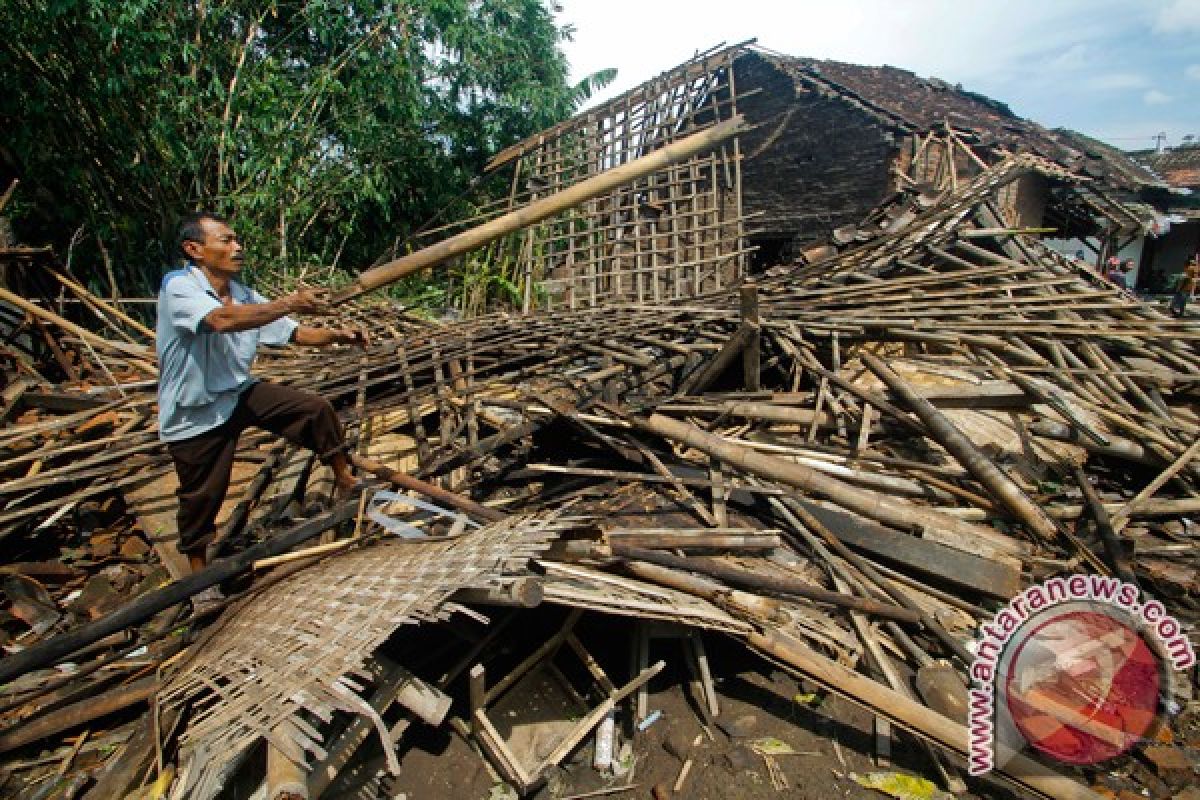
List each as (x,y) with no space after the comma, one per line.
(204,463)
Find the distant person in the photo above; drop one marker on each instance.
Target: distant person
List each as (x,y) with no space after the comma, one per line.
(209,327)
(1116,274)
(1108,266)
(1187,285)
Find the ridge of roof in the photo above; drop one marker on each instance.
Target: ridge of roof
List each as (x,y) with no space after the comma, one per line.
(902,99)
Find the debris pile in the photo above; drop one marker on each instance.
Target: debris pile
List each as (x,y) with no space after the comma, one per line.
(846,467)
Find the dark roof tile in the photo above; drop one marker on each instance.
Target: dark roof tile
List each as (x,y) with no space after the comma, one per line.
(903,100)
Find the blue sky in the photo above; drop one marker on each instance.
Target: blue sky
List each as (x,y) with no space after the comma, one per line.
(1119,71)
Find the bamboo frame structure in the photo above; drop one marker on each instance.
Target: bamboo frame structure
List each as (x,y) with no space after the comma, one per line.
(617,178)
(674,234)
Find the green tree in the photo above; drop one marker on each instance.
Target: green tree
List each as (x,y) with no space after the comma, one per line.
(327,128)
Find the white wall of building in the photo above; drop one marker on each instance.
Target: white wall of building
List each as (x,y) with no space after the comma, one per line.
(1069,247)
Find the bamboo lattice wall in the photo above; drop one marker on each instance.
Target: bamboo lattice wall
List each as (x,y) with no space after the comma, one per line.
(674,234)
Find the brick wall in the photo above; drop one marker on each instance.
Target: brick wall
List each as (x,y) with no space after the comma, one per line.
(815,162)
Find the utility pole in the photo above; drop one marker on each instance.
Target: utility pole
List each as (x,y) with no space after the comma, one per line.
(1160,139)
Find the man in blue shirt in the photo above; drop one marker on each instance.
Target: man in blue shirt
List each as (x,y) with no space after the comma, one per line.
(209,328)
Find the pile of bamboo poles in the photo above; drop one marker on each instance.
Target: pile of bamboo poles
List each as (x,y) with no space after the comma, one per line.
(856,460)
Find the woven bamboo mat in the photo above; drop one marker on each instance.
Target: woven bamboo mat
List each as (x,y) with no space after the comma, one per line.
(303,644)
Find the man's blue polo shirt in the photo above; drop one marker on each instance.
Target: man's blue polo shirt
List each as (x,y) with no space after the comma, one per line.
(202,372)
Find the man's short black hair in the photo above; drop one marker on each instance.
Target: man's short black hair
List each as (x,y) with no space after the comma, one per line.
(191,229)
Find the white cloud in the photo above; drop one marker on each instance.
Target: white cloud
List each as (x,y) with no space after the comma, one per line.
(1118,80)
(1076,57)
(1156,98)
(1193,71)
(983,46)
(1178,16)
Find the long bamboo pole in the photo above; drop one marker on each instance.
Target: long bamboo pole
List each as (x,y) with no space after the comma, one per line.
(541,209)
(774,584)
(874,505)
(967,454)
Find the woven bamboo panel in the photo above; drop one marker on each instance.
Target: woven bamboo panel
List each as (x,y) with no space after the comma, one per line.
(301,644)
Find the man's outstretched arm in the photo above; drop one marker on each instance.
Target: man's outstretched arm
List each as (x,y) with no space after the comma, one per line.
(247,316)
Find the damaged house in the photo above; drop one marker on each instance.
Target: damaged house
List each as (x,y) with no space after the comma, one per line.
(835,140)
(1180,169)
(828,143)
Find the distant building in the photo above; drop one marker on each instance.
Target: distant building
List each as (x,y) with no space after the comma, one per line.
(1179,167)
(1140,191)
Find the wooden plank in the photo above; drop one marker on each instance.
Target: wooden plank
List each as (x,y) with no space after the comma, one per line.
(153,503)
(492,743)
(928,558)
(61,401)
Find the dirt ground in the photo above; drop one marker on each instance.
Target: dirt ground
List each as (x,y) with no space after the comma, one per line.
(831,737)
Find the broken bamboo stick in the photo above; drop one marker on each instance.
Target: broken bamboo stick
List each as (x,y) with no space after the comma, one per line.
(911,714)
(770,583)
(403,481)
(1117,559)
(752,358)
(966,453)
